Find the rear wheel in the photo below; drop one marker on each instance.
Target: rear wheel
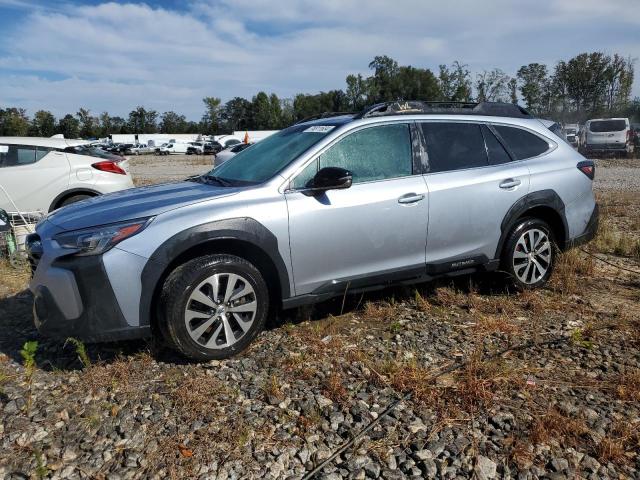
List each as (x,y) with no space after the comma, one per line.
(74,199)
(213,306)
(529,253)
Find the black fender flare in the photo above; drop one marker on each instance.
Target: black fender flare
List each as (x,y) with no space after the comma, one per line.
(243,229)
(541,198)
(71,192)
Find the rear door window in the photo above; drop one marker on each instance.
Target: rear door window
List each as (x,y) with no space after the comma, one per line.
(17,155)
(454,146)
(496,152)
(607,126)
(521,143)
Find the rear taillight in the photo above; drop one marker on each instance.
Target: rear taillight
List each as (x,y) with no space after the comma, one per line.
(111,167)
(588,168)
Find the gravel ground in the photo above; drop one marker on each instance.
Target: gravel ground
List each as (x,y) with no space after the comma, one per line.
(548,384)
(618,175)
(147,169)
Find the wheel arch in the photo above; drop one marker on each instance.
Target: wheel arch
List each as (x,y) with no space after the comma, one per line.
(243,237)
(545,205)
(70,193)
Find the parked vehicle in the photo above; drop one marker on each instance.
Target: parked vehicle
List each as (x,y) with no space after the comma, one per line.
(609,135)
(173,147)
(195,148)
(91,151)
(139,149)
(42,174)
(571,134)
(636,132)
(227,141)
(229,152)
(401,192)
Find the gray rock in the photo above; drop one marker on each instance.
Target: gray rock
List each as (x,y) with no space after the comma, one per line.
(485,468)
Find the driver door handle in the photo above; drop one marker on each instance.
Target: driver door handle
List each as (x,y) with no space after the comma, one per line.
(510,183)
(410,198)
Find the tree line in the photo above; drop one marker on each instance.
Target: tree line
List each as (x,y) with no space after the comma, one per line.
(586,86)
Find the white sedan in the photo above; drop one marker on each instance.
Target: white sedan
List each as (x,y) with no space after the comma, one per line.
(42,174)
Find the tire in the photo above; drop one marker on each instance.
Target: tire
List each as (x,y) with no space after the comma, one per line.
(74,199)
(199,327)
(526,269)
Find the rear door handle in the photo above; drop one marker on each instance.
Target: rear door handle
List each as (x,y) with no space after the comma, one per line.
(410,198)
(510,183)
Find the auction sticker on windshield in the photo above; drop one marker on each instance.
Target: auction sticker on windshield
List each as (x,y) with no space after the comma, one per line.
(319,129)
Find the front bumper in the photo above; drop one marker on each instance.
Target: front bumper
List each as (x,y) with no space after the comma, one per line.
(590,230)
(73,297)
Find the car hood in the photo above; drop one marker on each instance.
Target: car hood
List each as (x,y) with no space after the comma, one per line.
(135,203)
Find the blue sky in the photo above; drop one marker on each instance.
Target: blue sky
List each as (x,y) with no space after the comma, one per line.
(168,55)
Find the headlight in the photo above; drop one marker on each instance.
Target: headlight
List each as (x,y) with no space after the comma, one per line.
(97,240)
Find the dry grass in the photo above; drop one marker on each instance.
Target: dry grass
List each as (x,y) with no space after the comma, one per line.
(553,426)
(122,375)
(334,388)
(380,311)
(570,267)
(12,280)
(273,389)
(627,386)
(619,445)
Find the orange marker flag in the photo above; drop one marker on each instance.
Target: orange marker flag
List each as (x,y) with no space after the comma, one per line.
(246,137)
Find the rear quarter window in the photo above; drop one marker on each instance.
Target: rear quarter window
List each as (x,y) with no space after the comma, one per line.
(522,144)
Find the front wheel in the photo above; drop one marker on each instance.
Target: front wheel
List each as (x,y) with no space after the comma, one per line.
(213,307)
(529,253)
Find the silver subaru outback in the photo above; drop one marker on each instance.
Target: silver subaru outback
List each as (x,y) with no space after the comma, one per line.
(400,193)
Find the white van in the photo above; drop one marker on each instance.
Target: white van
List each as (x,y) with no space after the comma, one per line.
(609,135)
(173,147)
(42,174)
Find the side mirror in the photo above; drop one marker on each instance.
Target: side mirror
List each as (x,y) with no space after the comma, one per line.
(331,178)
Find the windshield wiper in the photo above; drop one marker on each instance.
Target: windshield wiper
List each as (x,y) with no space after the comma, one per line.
(219,180)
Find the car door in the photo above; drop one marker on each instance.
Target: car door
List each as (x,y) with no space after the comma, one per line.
(376,228)
(472,181)
(32,177)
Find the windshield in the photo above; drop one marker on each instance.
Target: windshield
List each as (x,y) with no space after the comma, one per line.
(266,158)
(608,126)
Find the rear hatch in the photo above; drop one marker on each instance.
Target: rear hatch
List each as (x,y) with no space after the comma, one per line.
(611,132)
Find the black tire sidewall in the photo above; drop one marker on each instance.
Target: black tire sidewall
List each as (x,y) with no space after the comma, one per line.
(507,255)
(73,199)
(181,284)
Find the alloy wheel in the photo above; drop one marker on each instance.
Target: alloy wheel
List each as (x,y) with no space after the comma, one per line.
(532,256)
(220,310)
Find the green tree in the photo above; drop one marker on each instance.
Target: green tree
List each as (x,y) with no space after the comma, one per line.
(43,124)
(237,115)
(384,81)
(88,124)
(356,92)
(69,126)
(261,108)
(211,119)
(455,82)
(492,86)
(142,120)
(416,84)
(171,122)
(534,86)
(14,122)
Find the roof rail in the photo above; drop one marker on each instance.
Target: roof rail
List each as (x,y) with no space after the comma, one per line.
(323,115)
(495,109)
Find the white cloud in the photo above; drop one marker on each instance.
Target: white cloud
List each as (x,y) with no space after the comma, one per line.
(115,56)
